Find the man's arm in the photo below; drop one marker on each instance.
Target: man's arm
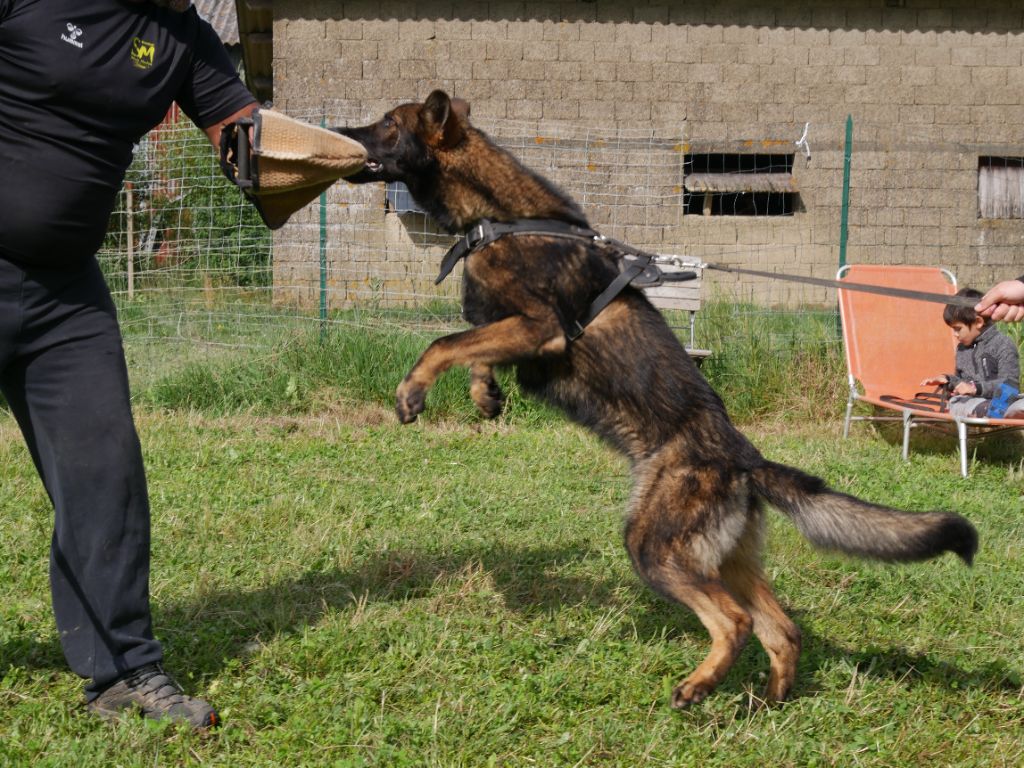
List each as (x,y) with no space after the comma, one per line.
(213,132)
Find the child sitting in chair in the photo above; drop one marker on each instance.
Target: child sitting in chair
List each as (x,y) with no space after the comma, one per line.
(985,360)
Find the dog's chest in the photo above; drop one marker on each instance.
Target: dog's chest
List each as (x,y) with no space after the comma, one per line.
(481,303)
(497,282)
(507,279)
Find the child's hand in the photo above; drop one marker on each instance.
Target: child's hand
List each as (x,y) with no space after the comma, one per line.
(965,388)
(935,381)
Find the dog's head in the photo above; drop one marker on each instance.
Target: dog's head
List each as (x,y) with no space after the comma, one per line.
(453,170)
(404,144)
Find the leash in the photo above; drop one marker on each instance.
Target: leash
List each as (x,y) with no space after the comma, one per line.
(903,293)
(640,268)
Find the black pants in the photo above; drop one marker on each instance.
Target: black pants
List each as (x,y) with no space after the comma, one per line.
(63,372)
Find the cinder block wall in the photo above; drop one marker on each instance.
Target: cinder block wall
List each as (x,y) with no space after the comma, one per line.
(930,87)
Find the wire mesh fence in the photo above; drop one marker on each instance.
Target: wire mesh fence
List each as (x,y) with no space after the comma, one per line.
(195,272)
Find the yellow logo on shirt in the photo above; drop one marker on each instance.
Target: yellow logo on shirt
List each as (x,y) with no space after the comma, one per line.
(142,53)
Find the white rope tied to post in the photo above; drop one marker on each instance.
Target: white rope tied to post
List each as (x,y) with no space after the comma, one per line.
(802,142)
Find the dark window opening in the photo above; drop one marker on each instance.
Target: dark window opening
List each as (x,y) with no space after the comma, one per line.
(737,184)
(724,162)
(1000,162)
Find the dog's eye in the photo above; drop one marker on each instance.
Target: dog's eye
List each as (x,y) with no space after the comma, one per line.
(388,122)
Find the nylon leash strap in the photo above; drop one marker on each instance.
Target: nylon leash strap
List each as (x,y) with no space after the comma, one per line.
(902,293)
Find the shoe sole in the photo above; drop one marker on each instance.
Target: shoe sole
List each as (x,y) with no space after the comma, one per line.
(111,715)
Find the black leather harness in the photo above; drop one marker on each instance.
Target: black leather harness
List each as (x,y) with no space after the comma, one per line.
(636,267)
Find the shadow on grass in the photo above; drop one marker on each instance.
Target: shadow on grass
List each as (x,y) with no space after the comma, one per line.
(203,634)
(750,671)
(940,440)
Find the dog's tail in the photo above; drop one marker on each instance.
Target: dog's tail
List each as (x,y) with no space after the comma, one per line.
(836,521)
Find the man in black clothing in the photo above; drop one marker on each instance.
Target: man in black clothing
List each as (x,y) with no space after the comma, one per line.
(81,81)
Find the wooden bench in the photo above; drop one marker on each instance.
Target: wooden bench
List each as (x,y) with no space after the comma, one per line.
(683,296)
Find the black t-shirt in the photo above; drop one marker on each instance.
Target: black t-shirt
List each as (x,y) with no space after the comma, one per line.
(81,81)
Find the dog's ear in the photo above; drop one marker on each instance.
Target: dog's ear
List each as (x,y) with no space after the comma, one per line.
(443,119)
(461,108)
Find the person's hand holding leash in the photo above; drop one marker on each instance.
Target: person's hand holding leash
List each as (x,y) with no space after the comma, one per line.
(1004,301)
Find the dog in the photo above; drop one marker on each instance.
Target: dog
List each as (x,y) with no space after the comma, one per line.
(694,525)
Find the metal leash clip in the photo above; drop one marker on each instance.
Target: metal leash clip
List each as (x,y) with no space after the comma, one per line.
(687,269)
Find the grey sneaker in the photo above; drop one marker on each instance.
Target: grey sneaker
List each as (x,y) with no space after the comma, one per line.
(156,695)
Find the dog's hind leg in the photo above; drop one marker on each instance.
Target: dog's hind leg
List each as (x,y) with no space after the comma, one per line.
(674,562)
(726,621)
(779,636)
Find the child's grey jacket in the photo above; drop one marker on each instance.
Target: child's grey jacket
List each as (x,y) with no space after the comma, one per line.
(990,361)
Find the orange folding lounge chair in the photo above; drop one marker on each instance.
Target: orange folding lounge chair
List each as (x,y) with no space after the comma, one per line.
(893,344)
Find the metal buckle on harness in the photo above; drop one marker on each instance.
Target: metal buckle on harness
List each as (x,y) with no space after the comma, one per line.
(575,332)
(478,234)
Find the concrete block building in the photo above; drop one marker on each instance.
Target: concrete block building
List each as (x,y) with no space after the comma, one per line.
(679,124)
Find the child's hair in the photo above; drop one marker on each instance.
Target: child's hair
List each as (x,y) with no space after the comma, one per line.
(953,313)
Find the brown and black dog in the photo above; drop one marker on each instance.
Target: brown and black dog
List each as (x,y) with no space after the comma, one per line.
(695,519)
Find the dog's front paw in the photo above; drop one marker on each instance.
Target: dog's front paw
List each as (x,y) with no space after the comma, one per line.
(409,400)
(489,398)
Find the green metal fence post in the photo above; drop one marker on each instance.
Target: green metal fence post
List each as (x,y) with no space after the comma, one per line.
(323,255)
(844,230)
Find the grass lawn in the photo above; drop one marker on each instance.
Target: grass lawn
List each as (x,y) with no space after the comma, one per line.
(351,592)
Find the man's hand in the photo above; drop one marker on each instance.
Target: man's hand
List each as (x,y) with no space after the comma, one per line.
(213,132)
(1004,301)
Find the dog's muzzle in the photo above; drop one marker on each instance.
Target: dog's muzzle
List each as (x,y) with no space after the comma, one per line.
(285,163)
